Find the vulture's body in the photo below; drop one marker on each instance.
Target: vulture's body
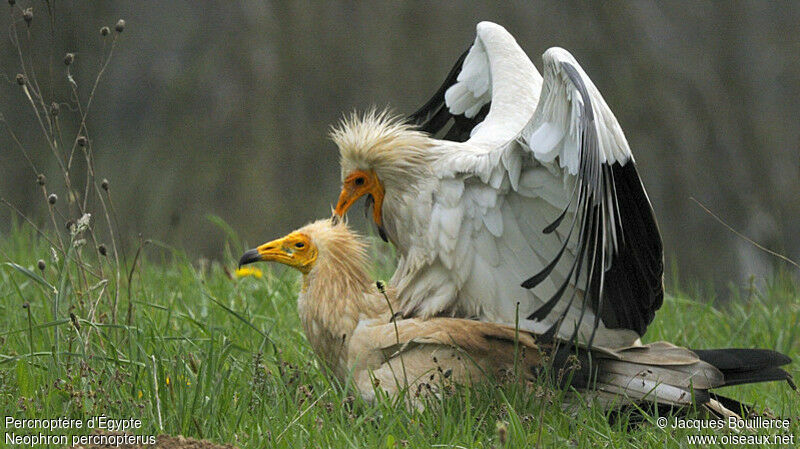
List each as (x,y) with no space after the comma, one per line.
(538,217)
(348,323)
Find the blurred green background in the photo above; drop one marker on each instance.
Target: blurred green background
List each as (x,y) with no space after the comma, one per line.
(221,107)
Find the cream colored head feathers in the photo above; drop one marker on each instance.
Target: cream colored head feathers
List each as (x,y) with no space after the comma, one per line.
(339,248)
(382,142)
(321,246)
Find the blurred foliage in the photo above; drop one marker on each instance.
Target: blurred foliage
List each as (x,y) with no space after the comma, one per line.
(222,108)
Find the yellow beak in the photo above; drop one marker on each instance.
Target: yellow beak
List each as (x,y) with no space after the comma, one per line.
(271,251)
(283,250)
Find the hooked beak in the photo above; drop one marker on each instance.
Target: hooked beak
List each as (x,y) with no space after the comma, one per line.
(351,192)
(293,250)
(249,257)
(348,196)
(271,251)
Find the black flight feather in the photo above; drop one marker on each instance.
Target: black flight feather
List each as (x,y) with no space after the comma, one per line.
(434,116)
(619,237)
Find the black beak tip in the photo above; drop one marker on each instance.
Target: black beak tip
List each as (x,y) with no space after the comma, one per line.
(249,256)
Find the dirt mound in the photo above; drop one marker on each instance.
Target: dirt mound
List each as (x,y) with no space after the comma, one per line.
(167,442)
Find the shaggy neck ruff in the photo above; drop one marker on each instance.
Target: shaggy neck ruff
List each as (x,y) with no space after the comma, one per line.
(337,293)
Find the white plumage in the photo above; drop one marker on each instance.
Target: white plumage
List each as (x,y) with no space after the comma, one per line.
(469,222)
(349,324)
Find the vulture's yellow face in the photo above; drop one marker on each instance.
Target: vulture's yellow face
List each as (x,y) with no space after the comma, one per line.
(295,250)
(357,184)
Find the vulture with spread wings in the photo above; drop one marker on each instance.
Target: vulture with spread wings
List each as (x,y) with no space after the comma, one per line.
(526,209)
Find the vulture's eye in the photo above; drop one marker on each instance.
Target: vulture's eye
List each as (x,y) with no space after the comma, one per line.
(360,181)
(299,245)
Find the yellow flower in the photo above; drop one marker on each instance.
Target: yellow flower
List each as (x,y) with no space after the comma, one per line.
(167,380)
(249,271)
(140,394)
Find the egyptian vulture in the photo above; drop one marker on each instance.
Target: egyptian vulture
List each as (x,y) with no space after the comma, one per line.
(527,209)
(349,324)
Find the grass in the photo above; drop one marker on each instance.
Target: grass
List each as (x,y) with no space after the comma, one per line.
(210,356)
(188,349)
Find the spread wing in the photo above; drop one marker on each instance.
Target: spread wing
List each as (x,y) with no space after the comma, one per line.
(554,218)
(495,76)
(464,99)
(437,119)
(612,221)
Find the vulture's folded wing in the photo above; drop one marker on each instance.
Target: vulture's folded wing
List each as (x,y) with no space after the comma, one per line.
(413,353)
(474,337)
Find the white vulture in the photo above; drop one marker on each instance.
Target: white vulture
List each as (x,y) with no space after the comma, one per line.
(527,209)
(349,324)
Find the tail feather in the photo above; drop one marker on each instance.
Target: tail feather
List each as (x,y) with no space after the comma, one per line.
(745,366)
(737,359)
(667,375)
(763,375)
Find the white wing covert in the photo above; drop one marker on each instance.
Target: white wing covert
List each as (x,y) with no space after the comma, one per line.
(617,239)
(492,92)
(569,208)
(538,215)
(493,69)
